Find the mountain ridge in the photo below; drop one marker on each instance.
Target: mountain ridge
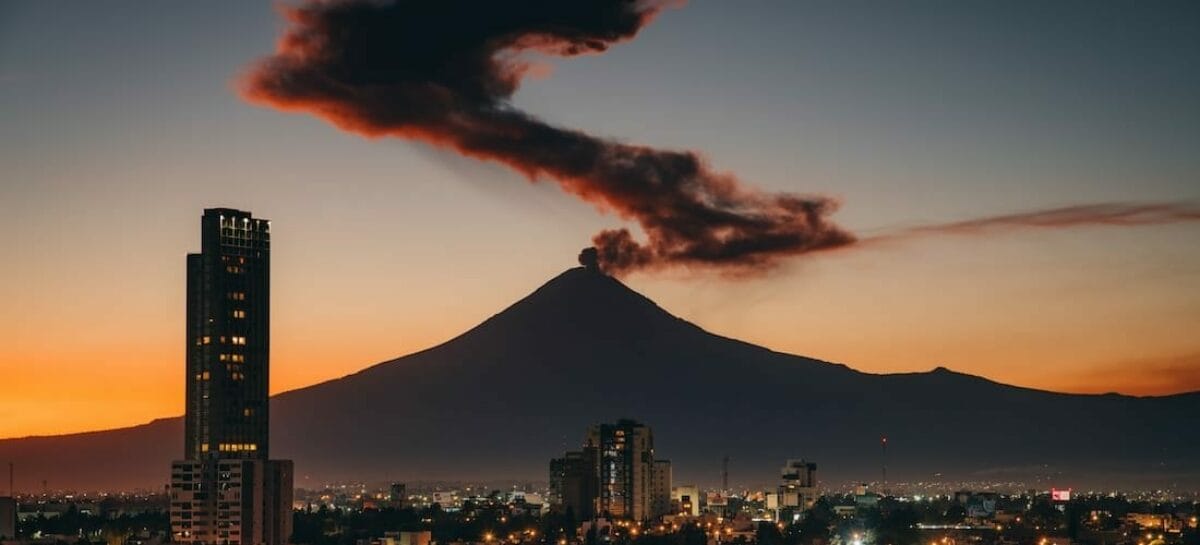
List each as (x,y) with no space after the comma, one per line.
(522,385)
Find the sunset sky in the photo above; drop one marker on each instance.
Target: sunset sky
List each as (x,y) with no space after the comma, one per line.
(120,122)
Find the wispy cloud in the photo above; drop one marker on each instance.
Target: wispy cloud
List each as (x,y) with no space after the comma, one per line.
(1102,214)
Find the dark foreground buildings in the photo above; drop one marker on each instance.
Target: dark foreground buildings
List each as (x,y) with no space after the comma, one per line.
(614,475)
(8,518)
(226,490)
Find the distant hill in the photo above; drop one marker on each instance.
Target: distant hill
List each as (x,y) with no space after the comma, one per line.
(501,399)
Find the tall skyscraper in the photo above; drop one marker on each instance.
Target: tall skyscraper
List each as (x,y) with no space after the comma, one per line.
(228,323)
(227,491)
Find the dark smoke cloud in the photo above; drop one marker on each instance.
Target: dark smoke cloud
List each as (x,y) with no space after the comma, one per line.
(443,71)
(1114,214)
(590,258)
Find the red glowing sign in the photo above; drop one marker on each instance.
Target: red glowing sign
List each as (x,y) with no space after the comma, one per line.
(1060,495)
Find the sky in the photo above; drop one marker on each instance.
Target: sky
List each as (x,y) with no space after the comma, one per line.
(120,122)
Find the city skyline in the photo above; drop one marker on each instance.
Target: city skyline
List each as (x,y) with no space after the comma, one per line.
(1092,105)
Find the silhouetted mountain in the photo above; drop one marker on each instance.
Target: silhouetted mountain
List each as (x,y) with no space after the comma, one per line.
(501,399)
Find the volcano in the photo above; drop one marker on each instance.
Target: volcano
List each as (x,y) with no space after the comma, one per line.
(500,400)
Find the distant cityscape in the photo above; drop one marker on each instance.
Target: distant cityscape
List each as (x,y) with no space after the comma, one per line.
(616,490)
(799,510)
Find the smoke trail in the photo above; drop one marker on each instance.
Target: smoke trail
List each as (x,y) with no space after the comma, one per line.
(443,71)
(1112,214)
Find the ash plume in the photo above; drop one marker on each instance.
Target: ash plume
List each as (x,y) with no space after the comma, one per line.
(1100,214)
(443,72)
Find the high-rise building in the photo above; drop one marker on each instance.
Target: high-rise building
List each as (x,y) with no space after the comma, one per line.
(660,489)
(614,475)
(626,468)
(228,325)
(575,482)
(558,474)
(226,490)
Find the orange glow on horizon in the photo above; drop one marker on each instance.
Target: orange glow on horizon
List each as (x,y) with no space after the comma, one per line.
(105,350)
(150,385)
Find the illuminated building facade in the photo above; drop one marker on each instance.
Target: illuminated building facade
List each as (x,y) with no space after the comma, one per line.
(228,320)
(626,451)
(613,476)
(227,491)
(687,497)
